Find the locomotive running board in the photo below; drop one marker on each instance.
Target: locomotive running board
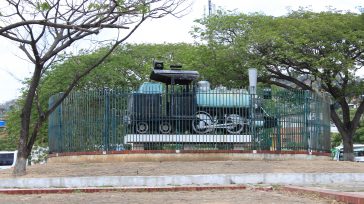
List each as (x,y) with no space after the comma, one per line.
(141,138)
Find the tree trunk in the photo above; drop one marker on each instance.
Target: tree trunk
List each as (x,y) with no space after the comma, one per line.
(23,148)
(20,165)
(346,127)
(21,159)
(348,147)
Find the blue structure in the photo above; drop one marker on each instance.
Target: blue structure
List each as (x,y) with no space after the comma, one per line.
(2,124)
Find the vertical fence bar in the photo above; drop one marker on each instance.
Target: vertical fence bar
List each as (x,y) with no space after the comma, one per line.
(106,122)
(307,115)
(60,132)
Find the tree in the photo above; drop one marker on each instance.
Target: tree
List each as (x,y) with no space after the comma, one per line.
(306,50)
(114,73)
(46,28)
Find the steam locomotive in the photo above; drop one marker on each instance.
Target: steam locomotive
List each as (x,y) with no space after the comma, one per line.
(176,103)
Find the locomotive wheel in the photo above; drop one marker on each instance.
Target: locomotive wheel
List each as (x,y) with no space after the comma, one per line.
(235,123)
(142,127)
(201,122)
(165,127)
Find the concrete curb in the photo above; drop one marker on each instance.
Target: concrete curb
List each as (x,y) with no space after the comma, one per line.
(186,180)
(338,196)
(123,189)
(181,155)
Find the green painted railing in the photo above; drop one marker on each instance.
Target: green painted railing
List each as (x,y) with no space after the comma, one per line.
(279,120)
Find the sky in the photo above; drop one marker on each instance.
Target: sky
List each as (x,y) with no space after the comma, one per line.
(14,67)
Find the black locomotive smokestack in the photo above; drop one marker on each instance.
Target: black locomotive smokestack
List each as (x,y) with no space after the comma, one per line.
(158,65)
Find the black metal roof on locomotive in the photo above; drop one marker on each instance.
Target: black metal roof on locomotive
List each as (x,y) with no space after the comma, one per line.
(181,77)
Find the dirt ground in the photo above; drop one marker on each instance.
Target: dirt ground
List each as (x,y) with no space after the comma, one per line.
(214,197)
(179,168)
(187,168)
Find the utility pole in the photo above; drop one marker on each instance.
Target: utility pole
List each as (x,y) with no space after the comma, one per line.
(210,7)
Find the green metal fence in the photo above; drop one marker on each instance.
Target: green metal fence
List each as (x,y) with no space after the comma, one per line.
(104,120)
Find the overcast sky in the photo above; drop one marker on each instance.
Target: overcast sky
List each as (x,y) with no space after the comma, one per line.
(14,68)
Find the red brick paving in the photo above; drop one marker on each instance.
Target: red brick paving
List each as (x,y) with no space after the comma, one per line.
(346,197)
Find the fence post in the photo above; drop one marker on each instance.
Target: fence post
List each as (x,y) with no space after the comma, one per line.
(307,112)
(252,120)
(252,73)
(105,134)
(52,131)
(60,144)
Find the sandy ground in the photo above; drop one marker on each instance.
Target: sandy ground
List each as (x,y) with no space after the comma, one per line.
(187,168)
(226,196)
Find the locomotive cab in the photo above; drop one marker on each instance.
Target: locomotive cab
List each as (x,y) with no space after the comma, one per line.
(179,98)
(165,105)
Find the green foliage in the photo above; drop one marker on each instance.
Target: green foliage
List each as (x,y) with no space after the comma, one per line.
(102,6)
(143,8)
(43,6)
(322,44)
(359,134)
(128,66)
(13,128)
(227,46)
(7,143)
(336,139)
(97,6)
(265,139)
(10,134)
(120,2)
